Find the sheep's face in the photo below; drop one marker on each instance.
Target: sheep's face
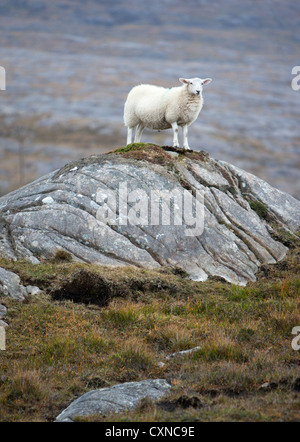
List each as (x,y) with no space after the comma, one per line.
(195,85)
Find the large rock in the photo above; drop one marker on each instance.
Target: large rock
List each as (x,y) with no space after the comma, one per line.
(118,398)
(3,311)
(10,285)
(67,209)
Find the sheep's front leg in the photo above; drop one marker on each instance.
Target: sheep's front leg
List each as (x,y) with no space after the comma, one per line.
(185,137)
(175,134)
(129,135)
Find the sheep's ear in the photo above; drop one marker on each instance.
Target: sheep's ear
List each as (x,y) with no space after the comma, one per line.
(206,80)
(184,80)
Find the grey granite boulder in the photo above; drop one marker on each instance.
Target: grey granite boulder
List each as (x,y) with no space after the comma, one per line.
(112,209)
(118,398)
(10,285)
(3,311)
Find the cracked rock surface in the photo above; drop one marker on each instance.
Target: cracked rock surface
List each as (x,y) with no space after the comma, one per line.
(69,209)
(10,285)
(118,398)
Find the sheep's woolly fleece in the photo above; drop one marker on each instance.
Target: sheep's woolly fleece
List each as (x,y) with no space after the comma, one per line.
(154,107)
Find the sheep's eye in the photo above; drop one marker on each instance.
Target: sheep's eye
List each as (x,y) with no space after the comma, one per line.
(191,82)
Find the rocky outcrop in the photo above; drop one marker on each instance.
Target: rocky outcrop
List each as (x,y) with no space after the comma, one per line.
(105,209)
(120,397)
(10,285)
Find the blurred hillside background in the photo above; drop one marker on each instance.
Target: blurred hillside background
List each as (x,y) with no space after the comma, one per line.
(70,64)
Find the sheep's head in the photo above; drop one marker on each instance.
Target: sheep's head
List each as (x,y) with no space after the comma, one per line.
(195,85)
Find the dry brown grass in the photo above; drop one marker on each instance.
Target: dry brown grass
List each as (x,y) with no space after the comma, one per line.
(59,349)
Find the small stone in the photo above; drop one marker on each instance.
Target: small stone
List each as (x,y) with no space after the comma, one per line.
(33,260)
(33,290)
(183,352)
(161,364)
(48,200)
(264,386)
(268,386)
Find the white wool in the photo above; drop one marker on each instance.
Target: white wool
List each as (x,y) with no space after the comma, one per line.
(158,108)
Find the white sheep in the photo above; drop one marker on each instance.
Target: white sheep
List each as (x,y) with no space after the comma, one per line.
(158,108)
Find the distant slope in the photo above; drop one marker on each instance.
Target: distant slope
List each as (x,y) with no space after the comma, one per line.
(275,14)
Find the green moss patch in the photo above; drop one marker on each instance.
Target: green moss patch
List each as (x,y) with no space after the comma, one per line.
(159,154)
(259,208)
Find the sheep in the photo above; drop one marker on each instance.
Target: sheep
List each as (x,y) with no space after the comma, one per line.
(154,107)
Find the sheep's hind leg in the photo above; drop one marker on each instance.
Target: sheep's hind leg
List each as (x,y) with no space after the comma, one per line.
(138,133)
(129,135)
(185,137)
(175,134)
